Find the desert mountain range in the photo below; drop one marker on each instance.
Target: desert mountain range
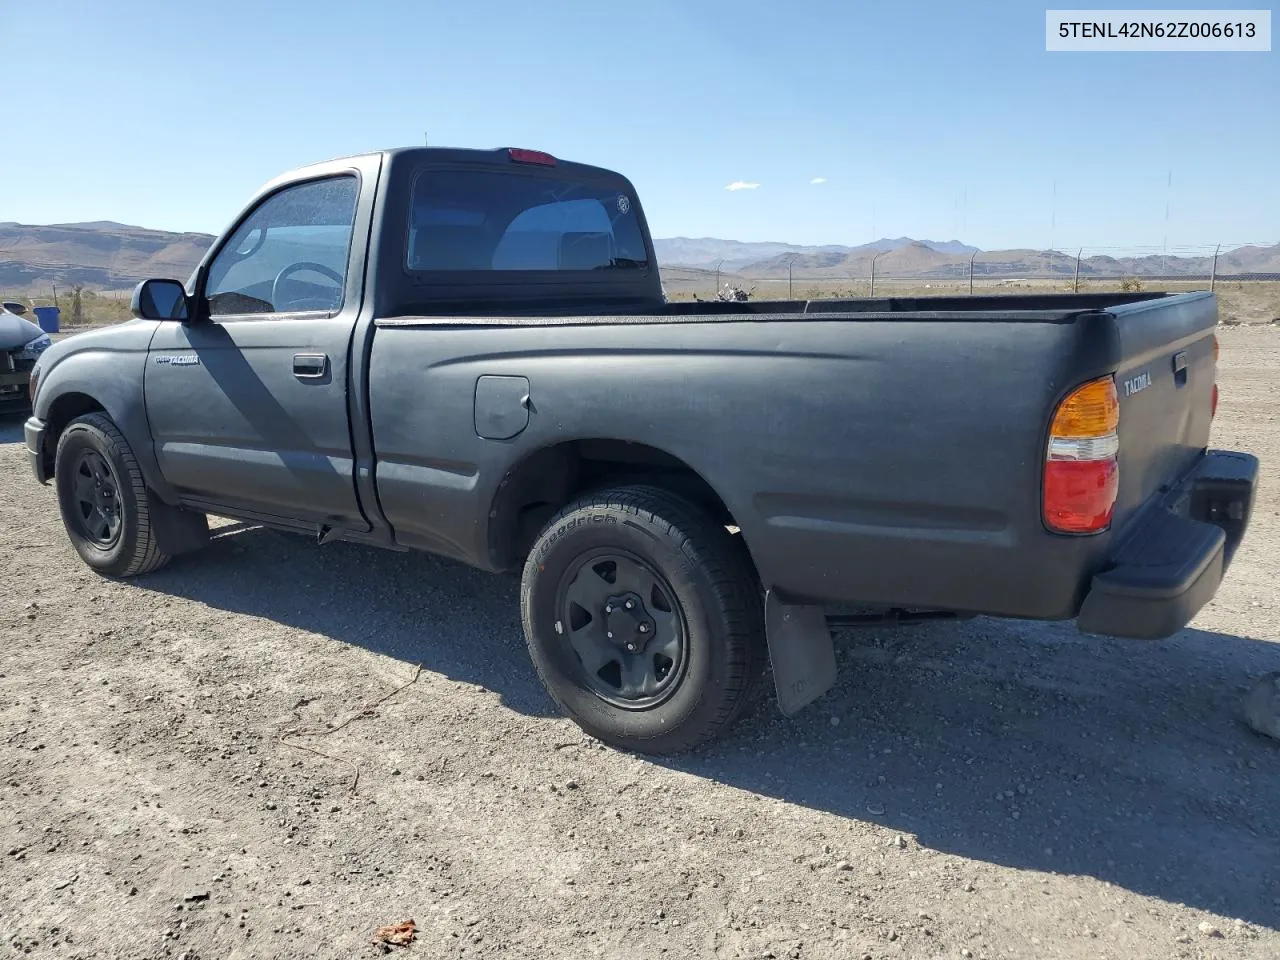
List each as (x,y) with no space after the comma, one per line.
(927,259)
(103,255)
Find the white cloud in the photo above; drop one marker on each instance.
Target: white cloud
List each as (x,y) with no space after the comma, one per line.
(741,185)
(817,180)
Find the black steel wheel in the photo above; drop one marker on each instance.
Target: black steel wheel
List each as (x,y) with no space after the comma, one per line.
(95,499)
(105,506)
(622,619)
(644,619)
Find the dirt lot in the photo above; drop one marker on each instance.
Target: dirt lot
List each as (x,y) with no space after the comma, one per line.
(990,789)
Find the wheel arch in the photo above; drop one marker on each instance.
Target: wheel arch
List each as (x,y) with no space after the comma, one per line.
(537,486)
(64,408)
(61,399)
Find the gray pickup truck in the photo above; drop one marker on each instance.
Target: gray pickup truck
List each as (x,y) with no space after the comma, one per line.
(470,353)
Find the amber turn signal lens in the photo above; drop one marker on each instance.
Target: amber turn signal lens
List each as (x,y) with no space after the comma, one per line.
(1092,410)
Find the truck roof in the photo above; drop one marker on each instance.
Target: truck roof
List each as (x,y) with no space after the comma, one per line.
(470,155)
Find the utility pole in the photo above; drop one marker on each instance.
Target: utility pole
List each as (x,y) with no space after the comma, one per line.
(1168,191)
(1075,284)
(1213,277)
(873,270)
(1053,216)
(975,253)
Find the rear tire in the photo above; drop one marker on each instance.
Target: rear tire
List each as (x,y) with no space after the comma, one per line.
(681,652)
(103,498)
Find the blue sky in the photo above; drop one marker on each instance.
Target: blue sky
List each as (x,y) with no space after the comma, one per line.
(934,120)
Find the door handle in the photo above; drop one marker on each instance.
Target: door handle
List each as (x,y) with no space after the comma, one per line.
(310,366)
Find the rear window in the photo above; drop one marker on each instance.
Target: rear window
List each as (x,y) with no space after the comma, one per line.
(496,221)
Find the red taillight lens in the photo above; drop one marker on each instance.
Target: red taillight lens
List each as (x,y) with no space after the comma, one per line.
(1217,352)
(531,156)
(1080,495)
(1081,472)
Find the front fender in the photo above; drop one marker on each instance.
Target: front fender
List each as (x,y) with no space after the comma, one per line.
(102,369)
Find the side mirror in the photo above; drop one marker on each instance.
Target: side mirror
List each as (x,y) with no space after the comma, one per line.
(160,300)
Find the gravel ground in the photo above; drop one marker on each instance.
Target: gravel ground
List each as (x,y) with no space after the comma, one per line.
(988,789)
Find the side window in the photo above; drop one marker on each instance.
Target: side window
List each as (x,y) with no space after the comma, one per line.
(289,255)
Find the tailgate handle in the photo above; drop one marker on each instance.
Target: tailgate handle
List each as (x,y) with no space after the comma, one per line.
(1180,368)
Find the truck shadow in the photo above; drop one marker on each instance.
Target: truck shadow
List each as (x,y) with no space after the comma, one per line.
(1019,744)
(455,621)
(1035,747)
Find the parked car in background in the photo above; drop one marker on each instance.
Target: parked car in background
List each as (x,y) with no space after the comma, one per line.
(21,343)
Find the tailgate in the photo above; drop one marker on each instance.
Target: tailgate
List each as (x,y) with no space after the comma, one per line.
(1181,510)
(1165,384)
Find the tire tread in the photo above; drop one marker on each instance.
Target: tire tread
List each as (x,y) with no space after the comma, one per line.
(146,556)
(734,588)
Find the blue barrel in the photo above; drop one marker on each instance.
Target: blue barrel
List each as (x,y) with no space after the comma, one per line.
(47,317)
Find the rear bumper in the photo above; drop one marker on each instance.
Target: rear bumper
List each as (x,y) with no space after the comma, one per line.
(33,433)
(1169,564)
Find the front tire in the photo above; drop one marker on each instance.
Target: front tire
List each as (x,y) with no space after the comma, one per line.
(103,499)
(644,620)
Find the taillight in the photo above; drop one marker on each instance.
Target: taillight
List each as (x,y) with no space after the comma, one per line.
(1213,409)
(531,156)
(1081,471)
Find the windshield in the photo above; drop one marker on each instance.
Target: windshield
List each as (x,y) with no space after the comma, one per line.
(500,221)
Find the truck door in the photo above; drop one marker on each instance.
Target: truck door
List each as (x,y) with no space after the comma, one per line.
(248,406)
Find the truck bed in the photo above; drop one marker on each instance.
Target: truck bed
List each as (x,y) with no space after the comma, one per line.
(867,451)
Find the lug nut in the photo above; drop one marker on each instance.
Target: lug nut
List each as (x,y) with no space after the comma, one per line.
(629,604)
(609,609)
(644,628)
(631,647)
(609,634)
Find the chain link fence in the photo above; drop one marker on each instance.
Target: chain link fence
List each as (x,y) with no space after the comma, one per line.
(1246,277)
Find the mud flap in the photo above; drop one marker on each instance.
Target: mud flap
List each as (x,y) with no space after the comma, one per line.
(176,530)
(801,651)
